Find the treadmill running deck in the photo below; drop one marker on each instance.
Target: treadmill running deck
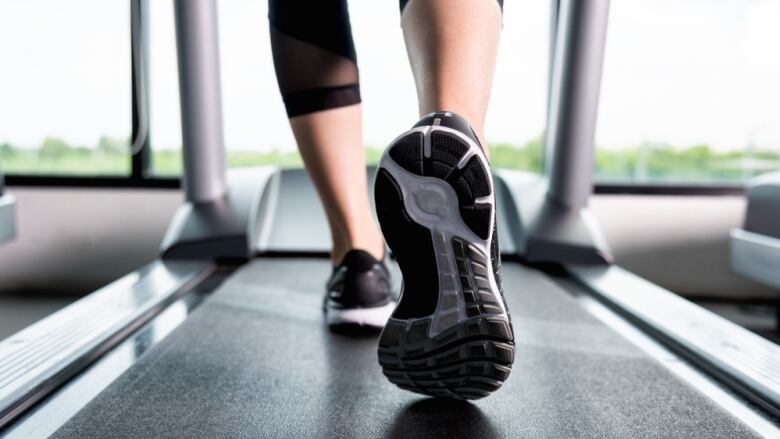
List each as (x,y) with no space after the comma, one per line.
(256,360)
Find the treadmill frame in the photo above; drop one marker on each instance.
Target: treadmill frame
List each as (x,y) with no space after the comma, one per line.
(7,217)
(7,213)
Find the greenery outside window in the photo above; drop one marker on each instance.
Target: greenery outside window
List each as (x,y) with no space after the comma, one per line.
(65,87)
(690,92)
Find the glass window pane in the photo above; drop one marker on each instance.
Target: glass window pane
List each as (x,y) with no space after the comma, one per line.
(256,128)
(690,92)
(164,117)
(518,107)
(65,87)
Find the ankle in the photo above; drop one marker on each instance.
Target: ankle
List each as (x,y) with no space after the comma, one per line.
(376,248)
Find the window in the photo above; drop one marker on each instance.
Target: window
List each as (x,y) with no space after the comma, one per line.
(690,92)
(164,117)
(256,128)
(65,87)
(518,108)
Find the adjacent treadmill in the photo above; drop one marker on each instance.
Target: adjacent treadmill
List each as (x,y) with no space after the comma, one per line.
(7,217)
(755,247)
(223,335)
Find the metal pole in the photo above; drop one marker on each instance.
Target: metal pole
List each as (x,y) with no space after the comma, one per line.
(201,101)
(139,44)
(555,7)
(571,119)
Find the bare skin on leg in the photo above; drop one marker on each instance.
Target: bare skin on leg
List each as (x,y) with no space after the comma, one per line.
(452,47)
(331,144)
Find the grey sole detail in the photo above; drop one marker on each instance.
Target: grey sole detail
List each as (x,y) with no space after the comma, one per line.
(375,317)
(465,348)
(433,204)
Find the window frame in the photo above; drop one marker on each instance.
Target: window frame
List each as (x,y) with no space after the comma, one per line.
(142,177)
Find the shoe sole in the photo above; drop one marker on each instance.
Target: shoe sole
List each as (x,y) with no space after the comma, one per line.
(375,317)
(450,335)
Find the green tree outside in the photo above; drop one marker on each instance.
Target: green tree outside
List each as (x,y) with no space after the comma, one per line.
(647,162)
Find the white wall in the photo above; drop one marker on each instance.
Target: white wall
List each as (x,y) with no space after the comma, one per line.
(75,240)
(680,243)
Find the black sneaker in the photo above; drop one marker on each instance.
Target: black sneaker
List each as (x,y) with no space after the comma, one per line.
(450,335)
(359,292)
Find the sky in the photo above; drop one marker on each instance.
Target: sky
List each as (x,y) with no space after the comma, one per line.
(680,72)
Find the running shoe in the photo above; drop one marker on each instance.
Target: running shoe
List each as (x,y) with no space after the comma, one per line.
(450,335)
(359,292)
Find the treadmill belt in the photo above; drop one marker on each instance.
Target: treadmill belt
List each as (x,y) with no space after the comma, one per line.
(256,360)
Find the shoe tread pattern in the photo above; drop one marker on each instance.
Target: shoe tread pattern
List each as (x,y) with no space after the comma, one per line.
(467,361)
(472,358)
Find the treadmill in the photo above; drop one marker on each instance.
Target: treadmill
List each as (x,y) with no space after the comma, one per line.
(755,247)
(223,335)
(7,217)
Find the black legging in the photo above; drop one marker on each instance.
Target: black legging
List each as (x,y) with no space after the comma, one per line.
(314,56)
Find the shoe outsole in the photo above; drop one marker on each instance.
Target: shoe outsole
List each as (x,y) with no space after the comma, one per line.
(374,317)
(450,335)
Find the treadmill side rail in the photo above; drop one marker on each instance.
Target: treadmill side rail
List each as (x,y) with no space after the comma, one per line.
(39,358)
(743,360)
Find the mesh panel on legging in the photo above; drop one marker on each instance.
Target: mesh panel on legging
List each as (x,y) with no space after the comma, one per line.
(314,56)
